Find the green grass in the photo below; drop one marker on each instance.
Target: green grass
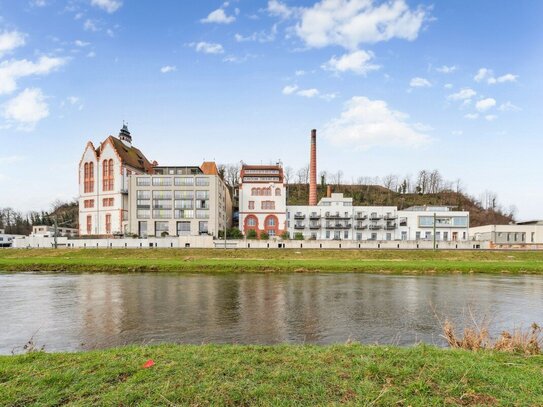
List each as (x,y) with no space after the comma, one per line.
(283,375)
(275,260)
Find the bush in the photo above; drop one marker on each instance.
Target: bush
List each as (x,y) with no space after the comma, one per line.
(164,234)
(285,235)
(232,233)
(264,236)
(299,236)
(251,234)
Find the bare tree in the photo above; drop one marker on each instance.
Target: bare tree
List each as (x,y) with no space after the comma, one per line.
(336,177)
(288,173)
(303,175)
(390,182)
(422,182)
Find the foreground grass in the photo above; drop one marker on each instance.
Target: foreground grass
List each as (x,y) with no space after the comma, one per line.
(272,375)
(275,260)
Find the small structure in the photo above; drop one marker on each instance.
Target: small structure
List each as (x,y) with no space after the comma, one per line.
(528,234)
(49,231)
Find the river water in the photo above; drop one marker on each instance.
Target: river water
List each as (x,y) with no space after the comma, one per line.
(66,312)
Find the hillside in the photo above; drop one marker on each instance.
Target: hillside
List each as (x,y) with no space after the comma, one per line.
(377,195)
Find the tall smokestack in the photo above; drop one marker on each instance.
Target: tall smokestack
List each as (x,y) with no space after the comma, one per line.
(313,169)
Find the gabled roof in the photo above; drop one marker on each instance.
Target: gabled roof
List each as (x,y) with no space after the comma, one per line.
(130,156)
(209,168)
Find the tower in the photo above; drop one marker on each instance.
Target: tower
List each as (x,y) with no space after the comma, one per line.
(313,169)
(124,136)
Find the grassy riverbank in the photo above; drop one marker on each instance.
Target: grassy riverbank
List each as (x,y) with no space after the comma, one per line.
(256,260)
(272,375)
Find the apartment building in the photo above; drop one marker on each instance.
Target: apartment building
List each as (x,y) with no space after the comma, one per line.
(179,201)
(521,233)
(335,218)
(104,172)
(262,199)
(49,231)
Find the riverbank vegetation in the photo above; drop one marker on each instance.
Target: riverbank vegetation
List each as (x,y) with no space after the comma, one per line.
(274,260)
(271,375)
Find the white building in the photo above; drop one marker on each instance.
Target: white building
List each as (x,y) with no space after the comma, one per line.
(262,199)
(49,231)
(103,184)
(335,218)
(521,234)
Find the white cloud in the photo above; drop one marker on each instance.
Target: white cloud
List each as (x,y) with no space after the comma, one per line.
(485,104)
(11,71)
(491,117)
(420,83)
(218,16)
(90,25)
(27,108)
(9,40)
(289,89)
(471,116)
(168,68)
(448,86)
(91,54)
(278,9)
(465,93)
(447,69)
(110,6)
(356,61)
(260,36)
(72,101)
(208,47)
(308,93)
(457,132)
(485,74)
(300,72)
(80,43)
(349,23)
(508,107)
(367,123)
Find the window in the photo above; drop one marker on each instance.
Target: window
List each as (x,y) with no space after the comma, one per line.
(268,205)
(162,182)
(202,214)
(202,194)
(184,204)
(374,236)
(251,204)
(417,236)
(533,237)
(328,234)
(89,225)
(446,236)
(251,222)
(143,181)
(183,228)
(107,175)
(200,181)
(277,191)
(88,177)
(162,213)
(403,221)
(271,233)
(184,194)
(88,203)
(107,202)
(271,221)
(161,227)
(404,235)
(346,234)
(184,181)
(202,227)
(108,224)
(389,236)
(183,214)
(143,213)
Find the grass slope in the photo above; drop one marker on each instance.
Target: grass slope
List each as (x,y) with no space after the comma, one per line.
(254,260)
(272,375)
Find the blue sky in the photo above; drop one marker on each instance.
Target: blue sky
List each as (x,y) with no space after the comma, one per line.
(392,87)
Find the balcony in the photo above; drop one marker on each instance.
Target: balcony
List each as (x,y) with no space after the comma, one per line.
(299,216)
(314,226)
(360,226)
(341,226)
(390,226)
(375,217)
(299,226)
(390,217)
(336,216)
(360,216)
(375,227)
(314,216)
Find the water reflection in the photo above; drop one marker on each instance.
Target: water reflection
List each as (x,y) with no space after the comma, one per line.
(86,311)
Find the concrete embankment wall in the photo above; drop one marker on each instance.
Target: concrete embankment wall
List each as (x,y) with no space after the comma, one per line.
(208,242)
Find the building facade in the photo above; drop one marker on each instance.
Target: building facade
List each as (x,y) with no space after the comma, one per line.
(262,199)
(179,201)
(49,231)
(335,218)
(104,174)
(521,233)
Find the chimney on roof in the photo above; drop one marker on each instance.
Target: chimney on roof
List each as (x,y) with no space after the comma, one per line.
(329,191)
(124,135)
(313,169)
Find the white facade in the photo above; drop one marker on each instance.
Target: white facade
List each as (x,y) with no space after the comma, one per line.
(262,200)
(518,234)
(49,231)
(335,218)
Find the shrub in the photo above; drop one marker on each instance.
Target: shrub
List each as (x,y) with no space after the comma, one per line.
(285,235)
(251,234)
(299,236)
(164,234)
(264,236)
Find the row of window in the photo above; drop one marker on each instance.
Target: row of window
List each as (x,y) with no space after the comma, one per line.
(267,205)
(162,227)
(270,222)
(177,214)
(338,235)
(265,191)
(167,181)
(88,177)
(108,176)
(107,223)
(106,202)
(168,194)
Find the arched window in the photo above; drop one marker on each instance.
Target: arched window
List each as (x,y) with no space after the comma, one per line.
(253,191)
(111,175)
(88,177)
(105,175)
(277,191)
(251,222)
(271,222)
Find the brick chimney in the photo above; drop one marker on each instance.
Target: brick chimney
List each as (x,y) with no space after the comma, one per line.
(313,169)
(329,191)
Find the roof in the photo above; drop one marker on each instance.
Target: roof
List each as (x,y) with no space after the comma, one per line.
(209,168)
(131,156)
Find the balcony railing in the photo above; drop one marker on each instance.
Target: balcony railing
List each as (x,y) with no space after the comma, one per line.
(336,216)
(390,226)
(360,216)
(390,217)
(299,216)
(314,226)
(299,226)
(360,226)
(314,216)
(375,217)
(375,227)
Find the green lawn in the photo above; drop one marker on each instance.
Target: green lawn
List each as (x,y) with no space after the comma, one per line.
(272,375)
(274,260)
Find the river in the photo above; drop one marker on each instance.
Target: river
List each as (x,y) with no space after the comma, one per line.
(73,312)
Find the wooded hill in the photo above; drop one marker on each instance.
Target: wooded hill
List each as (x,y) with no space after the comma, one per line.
(298,194)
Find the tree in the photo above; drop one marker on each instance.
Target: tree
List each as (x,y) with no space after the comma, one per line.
(251,234)
(298,236)
(264,236)
(288,173)
(285,235)
(303,175)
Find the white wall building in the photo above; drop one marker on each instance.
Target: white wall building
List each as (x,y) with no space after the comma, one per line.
(103,184)
(262,199)
(49,231)
(519,234)
(335,218)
